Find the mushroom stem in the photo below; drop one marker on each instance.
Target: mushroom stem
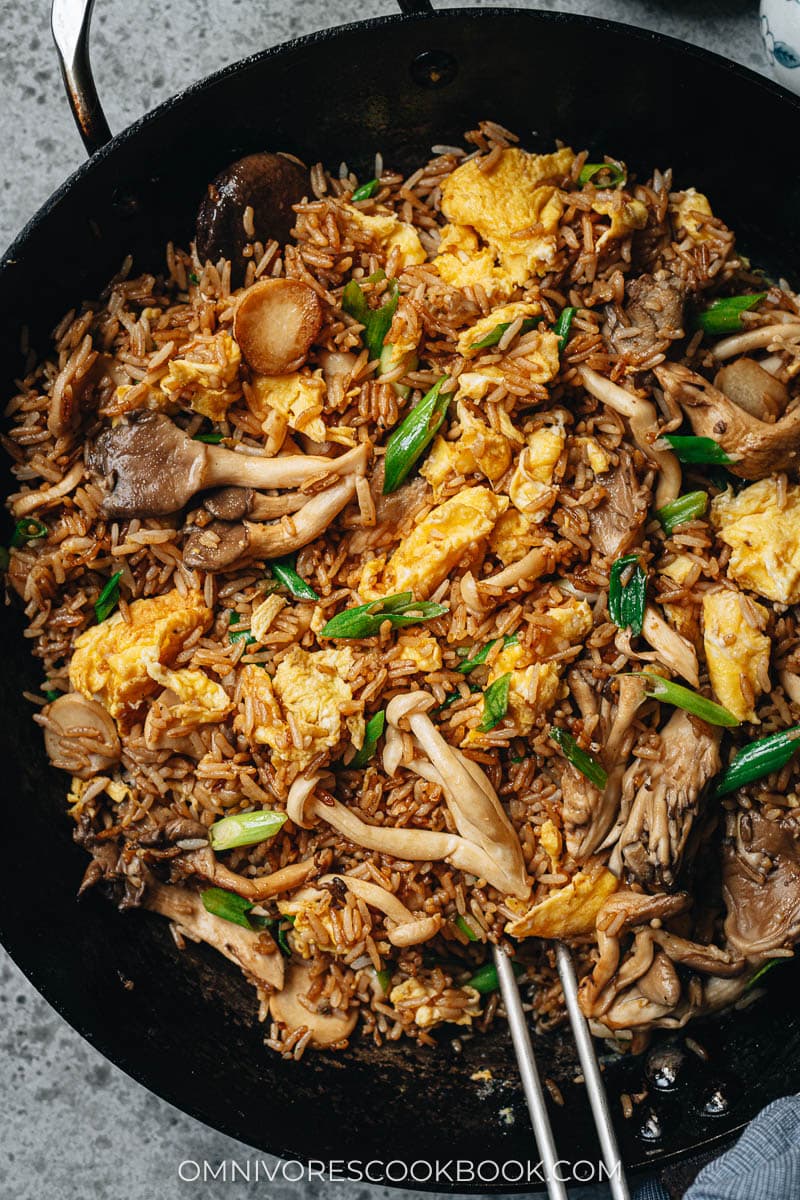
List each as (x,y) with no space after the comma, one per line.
(235,503)
(757,339)
(672,648)
(27,502)
(286,471)
(204,864)
(641,416)
(537,562)
(410,928)
(757,448)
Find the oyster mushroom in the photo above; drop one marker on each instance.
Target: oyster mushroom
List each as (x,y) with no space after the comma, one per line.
(156,468)
(220,545)
(537,562)
(748,385)
(269,184)
(408,928)
(275,323)
(641,416)
(761,882)
(236,503)
(204,864)
(763,336)
(24,503)
(757,448)
(80,736)
(671,647)
(251,949)
(287,1008)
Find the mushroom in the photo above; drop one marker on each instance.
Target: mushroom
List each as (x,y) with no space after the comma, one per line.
(156,468)
(275,323)
(748,385)
(80,736)
(641,416)
(408,928)
(260,887)
(24,503)
(615,522)
(478,814)
(269,184)
(251,949)
(219,546)
(287,1008)
(773,336)
(761,882)
(236,503)
(537,562)
(757,449)
(653,317)
(671,647)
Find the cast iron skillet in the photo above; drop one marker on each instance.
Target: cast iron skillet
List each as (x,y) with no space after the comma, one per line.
(399,84)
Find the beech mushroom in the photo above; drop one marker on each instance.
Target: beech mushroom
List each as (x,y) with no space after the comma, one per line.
(641,416)
(251,949)
(260,887)
(24,503)
(156,468)
(763,336)
(80,736)
(287,1008)
(275,323)
(236,503)
(408,928)
(748,385)
(757,449)
(219,546)
(671,647)
(537,562)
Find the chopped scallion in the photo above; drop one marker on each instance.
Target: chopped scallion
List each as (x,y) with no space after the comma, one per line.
(384,980)
(485,978)
(495,703)
(376,321)
(28,530)
(668,692)
(466,929)
(210,439)
(725,316)
(413,436)
(481,655)
(245,829)
(685,508)
(372,733)
(283,569)
(563,325)
(365,620)
(496,335)
(228,905)
(616,174)
(581,760)
(697,449)
(760,758)
(626,601)
(108,599)
(366,190)
(762,970)
(238,634)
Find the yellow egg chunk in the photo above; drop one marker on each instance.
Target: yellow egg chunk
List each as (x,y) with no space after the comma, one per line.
(298,398)
(206,376)
(626,216)
(477,449)
(201,698)
(430,1014)
(112,661)
(475,384)
(512,536)
(421,649)
(570,911)
(598,458)
(530,489)
(310,687)
(679,569)
(310,909)
(687,210)
(506,314)
(512,207)
(441,540)
(764,538)
(568,624)
(391,233)
(462,263)
(551,841)
(736,649)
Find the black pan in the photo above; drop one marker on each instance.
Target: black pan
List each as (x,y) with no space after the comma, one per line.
(399,84)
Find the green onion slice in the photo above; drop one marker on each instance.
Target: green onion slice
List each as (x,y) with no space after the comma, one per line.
(236,635)
(245,829)
(668,692)
(193,278)
(52,695)
(456,695)
(466,929)
(617,176)
(626,601)
(496,334)
(481,655)
(762,970)
(725,316)
(28,530)
(283,569)
(563,325)
(685,508)
(210,439)
(372,733)
(697,449)
(581,760)
(108,599)
(495,703)
(281,932)
(413,436)
(228,905)
(376,321)
(384,979)
(760,758)
(485,978)
(366,190)
(365,620)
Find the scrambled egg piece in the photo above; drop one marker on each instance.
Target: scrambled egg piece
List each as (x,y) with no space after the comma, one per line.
(475,384)
(687,210)
(439,541)
(736,649)
(421,649)
(478,448)
(200,699)
(264,614)
(569,623)
(764,538)
(598,458)
(462,263)
(626,215)
(499,316)
(312,688)
(298,398)
(570,911)
(391,233)
(551,841)
(504,205)
(512,536)
(530,489)
(429,1014)
(112,661)
(206,376)
(311,909)
(679,569)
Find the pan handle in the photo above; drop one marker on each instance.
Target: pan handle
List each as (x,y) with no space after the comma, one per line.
(69,21)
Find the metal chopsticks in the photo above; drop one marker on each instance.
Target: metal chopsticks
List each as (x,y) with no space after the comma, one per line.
(532,1085)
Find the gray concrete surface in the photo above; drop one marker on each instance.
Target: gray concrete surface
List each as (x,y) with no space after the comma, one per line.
(74,1127)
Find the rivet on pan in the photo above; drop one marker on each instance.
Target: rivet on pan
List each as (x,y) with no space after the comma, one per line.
(433,68)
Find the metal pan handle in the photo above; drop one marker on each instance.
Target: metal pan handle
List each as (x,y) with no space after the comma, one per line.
(70,21)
